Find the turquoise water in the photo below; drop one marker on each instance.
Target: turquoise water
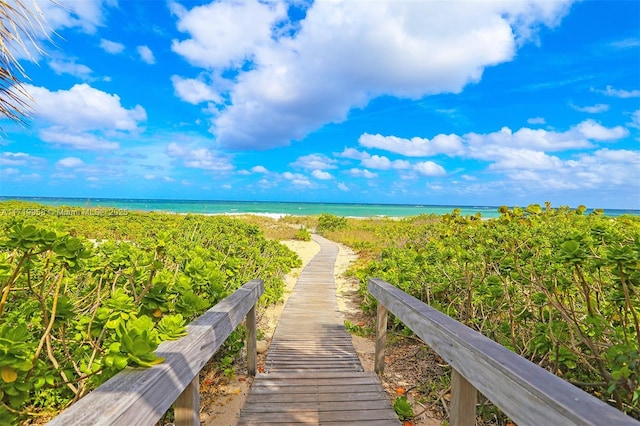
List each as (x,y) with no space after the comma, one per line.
(274,208)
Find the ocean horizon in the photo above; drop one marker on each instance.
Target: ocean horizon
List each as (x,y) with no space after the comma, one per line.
(275,209)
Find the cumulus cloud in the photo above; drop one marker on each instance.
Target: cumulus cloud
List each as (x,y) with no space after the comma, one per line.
(84,141)
(314,161)
(353,154)
(83,117)
(87,15)
(595,131)
(297,179)
(579,136)
(383,163)
(362,173)
(322,175)
(259,169)
(414,147)
(146,54)
(70,162)
(429,168)
(343,54)
(522,159)
(224,34)
(536,120)
(194,91)
(69,66)
(591,109)
(111,46)
(619,93)
(199,158)
(342,187)
(19,159)
(635,119)
(85,108)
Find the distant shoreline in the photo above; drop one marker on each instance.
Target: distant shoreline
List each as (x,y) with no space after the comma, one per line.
(277,209)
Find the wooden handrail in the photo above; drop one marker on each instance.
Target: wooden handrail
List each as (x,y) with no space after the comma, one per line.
(142,396)
(527,393)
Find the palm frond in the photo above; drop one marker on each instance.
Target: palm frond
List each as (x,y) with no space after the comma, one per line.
(21,27)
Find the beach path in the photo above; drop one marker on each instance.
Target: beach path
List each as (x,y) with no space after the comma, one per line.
(312,373)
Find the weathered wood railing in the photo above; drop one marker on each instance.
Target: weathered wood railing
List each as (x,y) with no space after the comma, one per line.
(142,396)
(527,393)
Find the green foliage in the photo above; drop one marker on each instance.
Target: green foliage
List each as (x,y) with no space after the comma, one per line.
(330,222)
(83,296)
(403,408)
(557,286)
(302,234)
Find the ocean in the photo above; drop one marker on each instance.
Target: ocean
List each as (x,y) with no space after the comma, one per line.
(273,209)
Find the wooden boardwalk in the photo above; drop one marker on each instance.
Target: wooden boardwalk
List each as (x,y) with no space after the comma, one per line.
(312,373)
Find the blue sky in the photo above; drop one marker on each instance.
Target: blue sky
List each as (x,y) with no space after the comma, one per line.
(418,102)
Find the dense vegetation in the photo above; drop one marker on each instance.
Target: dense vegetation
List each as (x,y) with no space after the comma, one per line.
(556,286)
(87,292)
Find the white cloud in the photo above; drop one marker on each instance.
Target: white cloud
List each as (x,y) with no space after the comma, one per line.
(259,169)
(635,119)
(429,168)
(536,120)
(111,46)
(344,54)
(353,154)
(591,109)
(19,159)
(514,158)
(343,187)
(322,175)
(600,170)
(70,162)
(84,108)
(225,34)
(194,91)
(85,141)
(267,184)
(314,161)
(579,136)
(69,66)
(297,179)
(619,93)
(628,43)
(146,54)
(414,147)
(595,131)
(362,173)
(383,163)
(84,14)
(199,158)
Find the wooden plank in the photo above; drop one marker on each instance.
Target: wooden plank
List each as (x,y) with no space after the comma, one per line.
(142,396)
(322,406)
(463,401)
(275,398)
(321,417)
(252,348)
(346,390)
(187,406)
(313,374)
(527,393)
(381,338)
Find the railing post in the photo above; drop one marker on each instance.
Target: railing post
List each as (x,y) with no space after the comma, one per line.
(187,406)
(463,401)
(252,354)
(381,338)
